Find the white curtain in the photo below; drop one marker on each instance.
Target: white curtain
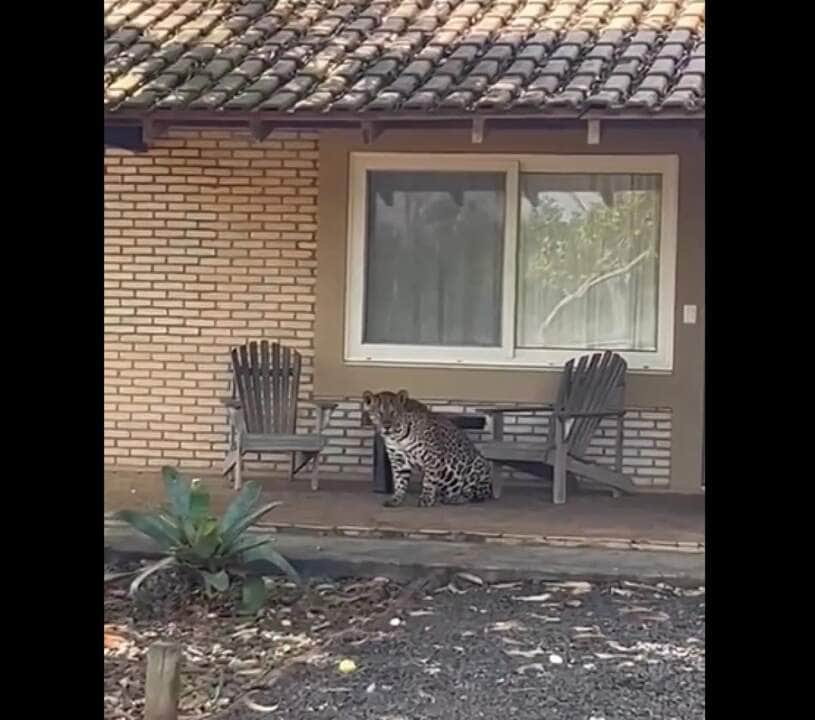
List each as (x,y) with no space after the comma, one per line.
(588,261)
(434,258)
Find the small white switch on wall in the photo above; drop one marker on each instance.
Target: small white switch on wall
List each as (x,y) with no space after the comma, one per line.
(689,314)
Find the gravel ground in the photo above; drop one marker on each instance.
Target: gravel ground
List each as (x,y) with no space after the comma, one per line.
(437,649)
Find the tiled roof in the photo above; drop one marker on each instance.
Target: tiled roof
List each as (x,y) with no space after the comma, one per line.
(405,56)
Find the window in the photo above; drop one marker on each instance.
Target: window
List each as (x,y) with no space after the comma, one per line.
(516,261)
(434,258)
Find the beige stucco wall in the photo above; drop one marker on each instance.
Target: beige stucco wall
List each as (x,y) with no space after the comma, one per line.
(680,391)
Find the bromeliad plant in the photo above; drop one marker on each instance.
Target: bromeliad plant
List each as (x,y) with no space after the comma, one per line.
(219,551)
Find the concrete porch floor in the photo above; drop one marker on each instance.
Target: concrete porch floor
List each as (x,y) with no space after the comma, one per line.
(523,515)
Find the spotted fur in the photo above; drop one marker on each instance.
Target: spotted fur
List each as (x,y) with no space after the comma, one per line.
(453,471)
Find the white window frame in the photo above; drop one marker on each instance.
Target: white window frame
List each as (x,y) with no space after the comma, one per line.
(507,355)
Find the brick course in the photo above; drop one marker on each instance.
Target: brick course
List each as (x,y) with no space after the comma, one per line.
(210,240)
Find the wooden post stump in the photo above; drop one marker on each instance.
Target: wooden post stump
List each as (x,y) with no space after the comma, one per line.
(162,685)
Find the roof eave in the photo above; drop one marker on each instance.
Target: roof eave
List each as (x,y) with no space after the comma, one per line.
(221,118)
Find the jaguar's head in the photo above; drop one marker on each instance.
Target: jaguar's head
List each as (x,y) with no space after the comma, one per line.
(386,410)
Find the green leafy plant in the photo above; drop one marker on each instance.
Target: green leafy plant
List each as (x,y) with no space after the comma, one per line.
(221,551)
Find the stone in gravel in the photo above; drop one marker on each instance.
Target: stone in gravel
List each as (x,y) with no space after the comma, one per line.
(507,625)
(527,653)
(259,708)
(577,587)
(621,592)
(531,666)
(533,598)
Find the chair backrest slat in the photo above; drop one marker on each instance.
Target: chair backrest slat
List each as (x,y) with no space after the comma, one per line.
(238,377)
(285,379)
(257,382)
(248,398)
(276,384)
(293,390)
(595,383)
(267,388)
(605,383)
(266,380)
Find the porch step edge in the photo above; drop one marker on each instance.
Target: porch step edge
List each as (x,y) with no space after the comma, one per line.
(405,559)
(469,536)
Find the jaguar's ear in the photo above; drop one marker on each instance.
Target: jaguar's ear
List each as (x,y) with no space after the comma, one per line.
(403,396)
(367,398)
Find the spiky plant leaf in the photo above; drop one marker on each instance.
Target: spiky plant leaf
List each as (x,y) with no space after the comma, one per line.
(247,542)
(218,581)
(207,539)
(241,506)
(239,527)
(155,526)
(199,502)
(265,560)
(189,531)
(113,577)
(148,571)
(253,594)
(178,492)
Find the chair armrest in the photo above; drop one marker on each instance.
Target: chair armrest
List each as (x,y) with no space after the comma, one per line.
(325,404)
(600,414)
(503,409)
(497,412)
(233,403)
(325,408)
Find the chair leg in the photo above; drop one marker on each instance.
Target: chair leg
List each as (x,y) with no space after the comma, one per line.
(230,460)
(497,480)
(618,453)
(229,467)
(315,472)
(559,484)
(292,466)
(239,472)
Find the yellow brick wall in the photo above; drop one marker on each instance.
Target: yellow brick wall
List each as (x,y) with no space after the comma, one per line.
(210,240)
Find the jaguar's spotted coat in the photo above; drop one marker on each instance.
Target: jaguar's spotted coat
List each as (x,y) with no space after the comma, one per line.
(453,471)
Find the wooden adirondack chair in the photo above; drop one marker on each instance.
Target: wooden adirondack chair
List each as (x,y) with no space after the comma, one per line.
(590,390)
(263,410)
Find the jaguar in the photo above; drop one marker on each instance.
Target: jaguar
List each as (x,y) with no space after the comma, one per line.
(415,438)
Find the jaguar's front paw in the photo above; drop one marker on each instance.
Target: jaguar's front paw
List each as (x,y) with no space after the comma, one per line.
(394,501)
(427,500)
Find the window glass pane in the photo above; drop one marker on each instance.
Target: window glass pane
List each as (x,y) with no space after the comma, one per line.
(588,261)
(434,258)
